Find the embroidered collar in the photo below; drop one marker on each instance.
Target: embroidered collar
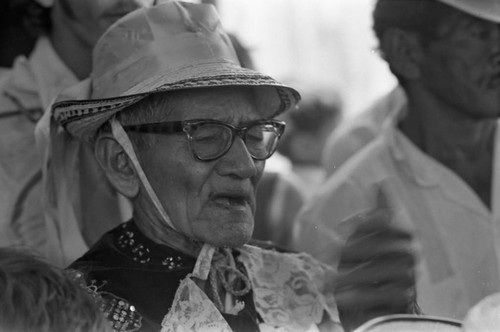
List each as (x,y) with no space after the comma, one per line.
(141,249)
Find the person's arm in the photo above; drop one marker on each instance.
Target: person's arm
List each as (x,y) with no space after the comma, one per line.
(376,271)
(323,224)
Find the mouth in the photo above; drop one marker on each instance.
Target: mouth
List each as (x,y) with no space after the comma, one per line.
(232,200)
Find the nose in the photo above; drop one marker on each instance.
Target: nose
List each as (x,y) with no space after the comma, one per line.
(238,161)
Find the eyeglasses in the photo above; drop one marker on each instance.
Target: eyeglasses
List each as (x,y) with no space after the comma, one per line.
(211,139)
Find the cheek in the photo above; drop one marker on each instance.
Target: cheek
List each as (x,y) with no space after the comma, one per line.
(184,189)
(469,61)
(442,69)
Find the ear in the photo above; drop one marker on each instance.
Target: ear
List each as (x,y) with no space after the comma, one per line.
(117,165)
(403,51)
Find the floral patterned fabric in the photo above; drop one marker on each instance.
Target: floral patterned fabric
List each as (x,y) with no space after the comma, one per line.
(193,311)
(290,293)
(290,290)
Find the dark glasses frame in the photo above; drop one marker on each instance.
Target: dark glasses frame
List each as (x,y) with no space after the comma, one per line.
(188,127)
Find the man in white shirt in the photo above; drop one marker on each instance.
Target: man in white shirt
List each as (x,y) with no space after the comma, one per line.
(61,57)
(435,156)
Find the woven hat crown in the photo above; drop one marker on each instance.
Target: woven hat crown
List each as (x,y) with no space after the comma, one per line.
(169,39)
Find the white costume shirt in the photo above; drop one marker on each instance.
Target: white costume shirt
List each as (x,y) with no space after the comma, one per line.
(26,91)
(353,134)
(457,236)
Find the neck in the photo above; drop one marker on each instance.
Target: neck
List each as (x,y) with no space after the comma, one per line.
(74,51)
(446,133)
(154,228)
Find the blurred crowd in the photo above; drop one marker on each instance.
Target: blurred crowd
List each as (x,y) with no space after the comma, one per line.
(153,178)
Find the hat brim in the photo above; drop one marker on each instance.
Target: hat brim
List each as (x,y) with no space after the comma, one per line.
(485,9)
(82,118)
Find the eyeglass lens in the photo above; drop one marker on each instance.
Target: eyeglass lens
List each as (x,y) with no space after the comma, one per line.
(211,141)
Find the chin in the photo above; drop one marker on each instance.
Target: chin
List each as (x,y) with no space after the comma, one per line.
(232,239)
(225,230)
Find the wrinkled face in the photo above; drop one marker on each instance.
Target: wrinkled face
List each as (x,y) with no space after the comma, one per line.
(214,201)
(90,18)
(462,68)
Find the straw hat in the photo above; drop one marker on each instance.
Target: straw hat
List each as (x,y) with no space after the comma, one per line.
(171,46)
(485,9)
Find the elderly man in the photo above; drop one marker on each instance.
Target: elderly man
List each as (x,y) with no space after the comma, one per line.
(435,158)
(180,128)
